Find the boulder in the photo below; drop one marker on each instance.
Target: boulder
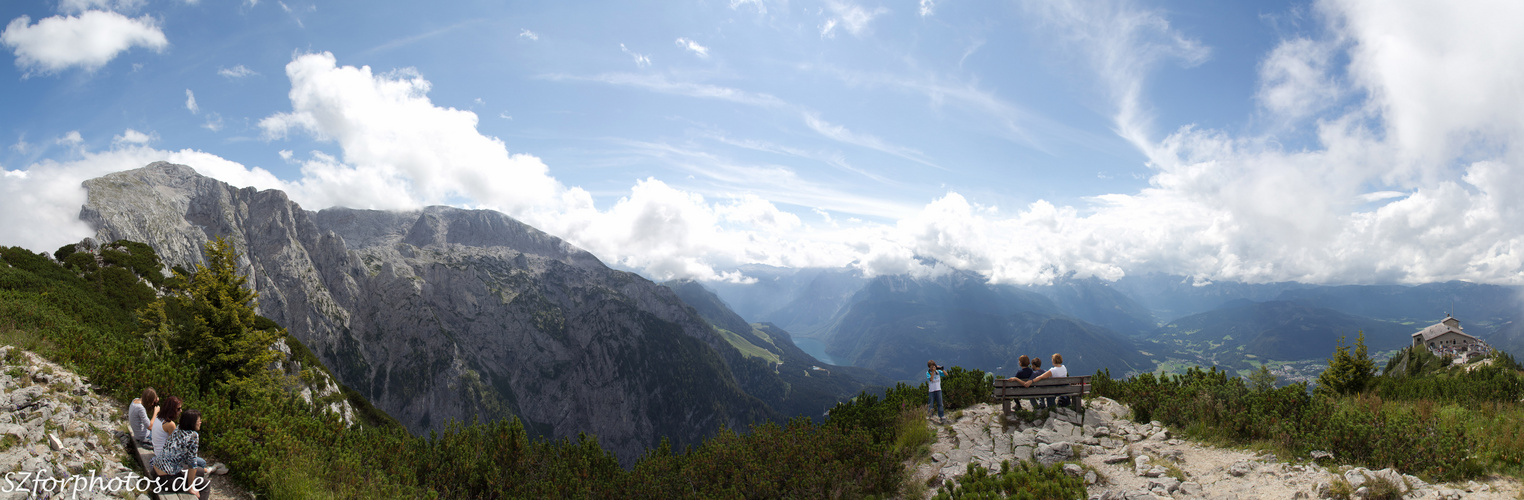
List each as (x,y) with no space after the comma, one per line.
(1073,470)
(1049,454)
(1240,468)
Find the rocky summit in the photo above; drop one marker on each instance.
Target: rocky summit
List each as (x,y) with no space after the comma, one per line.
(443,314)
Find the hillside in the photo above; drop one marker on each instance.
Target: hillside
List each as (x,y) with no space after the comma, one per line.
(813,386)
(1240,335)
(444,314)
(1099,302)
(895,323)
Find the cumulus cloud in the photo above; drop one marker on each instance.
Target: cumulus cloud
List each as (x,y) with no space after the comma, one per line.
(50,194)
(532,36)
(694,47)
(131,136)
(87,41)
(190,102)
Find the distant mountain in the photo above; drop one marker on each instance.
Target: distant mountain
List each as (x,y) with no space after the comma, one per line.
(445,314)
(812,386)
(1508,336)
(802,301)
(1278,330)
(1170,297)
(895,323)
(1482,306)
(1099,302)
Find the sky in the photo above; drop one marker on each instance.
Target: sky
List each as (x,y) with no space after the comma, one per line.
(1338,141)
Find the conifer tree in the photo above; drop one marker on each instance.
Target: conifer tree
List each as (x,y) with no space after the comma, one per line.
(1262,379)
(212,321)
(1348,374)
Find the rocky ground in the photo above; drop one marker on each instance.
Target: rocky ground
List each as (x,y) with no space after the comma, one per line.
(57,436)
(1120,459)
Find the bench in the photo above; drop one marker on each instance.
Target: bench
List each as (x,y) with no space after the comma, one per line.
(1012,390)
(144,455)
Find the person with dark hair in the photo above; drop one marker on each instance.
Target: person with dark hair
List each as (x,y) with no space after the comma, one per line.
(137,416)
(164,421)
(179,455)
(934,376)
(1024,374)
(1037,403)
(1058,370)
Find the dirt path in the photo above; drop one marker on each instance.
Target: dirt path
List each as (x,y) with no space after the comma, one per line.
(1124,460)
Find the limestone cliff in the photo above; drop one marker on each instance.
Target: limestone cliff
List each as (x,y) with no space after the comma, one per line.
(446,314)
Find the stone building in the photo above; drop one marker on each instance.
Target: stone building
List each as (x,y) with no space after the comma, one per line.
(1446,338)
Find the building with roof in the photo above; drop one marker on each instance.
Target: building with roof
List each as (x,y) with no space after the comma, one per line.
(1447,338)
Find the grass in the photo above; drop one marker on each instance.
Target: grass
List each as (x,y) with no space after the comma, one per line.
(747,348)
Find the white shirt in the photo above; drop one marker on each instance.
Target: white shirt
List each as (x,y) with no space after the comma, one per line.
(1059,371)
(156,432)
(935,378)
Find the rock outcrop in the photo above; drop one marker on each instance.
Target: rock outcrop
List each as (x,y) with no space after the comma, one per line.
(53,428)
(445,314)
(1124,460)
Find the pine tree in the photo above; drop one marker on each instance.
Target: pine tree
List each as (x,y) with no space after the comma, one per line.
(212,320)
(1262,379)
(1348,374)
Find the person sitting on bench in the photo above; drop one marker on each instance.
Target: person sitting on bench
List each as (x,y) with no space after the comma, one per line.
(1058,370)
(138,417)
(1024,374)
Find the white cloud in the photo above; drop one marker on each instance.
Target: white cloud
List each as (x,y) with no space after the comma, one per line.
(131,136)
(72,138)
(213,122)
(530,35)
(694,47)
(88,41)
(851,16)
(50,195)
(641,60)
(236,72)
(1295,79)
(928,7)
(190,102)
(391,134)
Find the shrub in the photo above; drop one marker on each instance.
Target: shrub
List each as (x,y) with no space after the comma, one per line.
(1025,480)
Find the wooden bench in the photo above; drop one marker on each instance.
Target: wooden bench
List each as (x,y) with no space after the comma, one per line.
(1074,387)
(144,455)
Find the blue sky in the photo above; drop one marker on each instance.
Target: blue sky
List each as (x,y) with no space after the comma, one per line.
(1224,140)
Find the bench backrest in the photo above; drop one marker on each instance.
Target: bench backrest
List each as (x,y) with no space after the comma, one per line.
(1052,385)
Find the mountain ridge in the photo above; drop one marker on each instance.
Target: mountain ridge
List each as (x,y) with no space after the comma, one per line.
(444,314)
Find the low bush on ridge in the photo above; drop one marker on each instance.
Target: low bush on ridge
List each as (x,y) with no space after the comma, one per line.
(1446,424)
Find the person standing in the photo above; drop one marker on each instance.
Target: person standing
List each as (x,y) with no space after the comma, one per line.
(934,376)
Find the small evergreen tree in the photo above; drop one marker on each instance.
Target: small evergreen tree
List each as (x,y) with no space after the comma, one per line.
(1348,374)
(1262,379)
(212,321)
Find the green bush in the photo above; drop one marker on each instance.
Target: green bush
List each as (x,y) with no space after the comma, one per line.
(1024,481)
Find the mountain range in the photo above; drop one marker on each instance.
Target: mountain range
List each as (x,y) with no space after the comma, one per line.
(444,314)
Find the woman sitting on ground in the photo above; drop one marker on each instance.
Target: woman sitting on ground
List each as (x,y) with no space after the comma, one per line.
(138,417)
(179,455)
